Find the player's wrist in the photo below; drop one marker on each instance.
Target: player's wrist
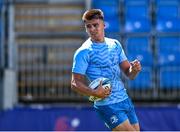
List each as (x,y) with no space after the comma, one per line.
(93,92)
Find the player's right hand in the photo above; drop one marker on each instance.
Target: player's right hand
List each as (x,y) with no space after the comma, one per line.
(102,92)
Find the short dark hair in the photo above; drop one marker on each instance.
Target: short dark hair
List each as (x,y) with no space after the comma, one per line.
(93,14)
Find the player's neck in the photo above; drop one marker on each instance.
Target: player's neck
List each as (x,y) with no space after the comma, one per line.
(98,41)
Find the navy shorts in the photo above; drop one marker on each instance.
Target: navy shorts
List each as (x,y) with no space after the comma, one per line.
(115,114)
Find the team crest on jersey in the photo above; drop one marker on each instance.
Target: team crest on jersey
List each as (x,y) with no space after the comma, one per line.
(114,119)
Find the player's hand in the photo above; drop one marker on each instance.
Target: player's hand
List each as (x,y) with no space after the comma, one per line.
(102,92)
(135,66)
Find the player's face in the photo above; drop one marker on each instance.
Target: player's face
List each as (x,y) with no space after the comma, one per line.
(95,29)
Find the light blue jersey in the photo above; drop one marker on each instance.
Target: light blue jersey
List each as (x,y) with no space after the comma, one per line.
(96,60)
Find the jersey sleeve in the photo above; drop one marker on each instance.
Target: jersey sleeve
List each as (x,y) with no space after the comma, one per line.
(80,62)
(122,56)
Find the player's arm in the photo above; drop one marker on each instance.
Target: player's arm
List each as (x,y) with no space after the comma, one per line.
(131,69)
(78,84)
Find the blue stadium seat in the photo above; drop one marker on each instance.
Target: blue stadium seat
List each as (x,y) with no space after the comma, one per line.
(137,25)
(137,10)
(168,44)
(136,2)
(137,44)
(144,80)
(105,2)
(111,13)
(137,17)
(146,58)
(168,58)
(139,47)
(168,51)
(168,25)
(167,16)
(113,35)
(109,8)
(112,25)
(170,78)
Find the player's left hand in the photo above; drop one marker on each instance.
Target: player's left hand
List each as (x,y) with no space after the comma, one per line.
(135,66)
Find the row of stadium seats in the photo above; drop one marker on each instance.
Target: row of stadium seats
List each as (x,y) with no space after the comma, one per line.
(140,15)
(164,59)
(169,78)
(143,81)
(140,48)
(168,50)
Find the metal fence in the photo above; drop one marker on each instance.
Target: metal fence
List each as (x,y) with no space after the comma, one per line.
(45,71)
